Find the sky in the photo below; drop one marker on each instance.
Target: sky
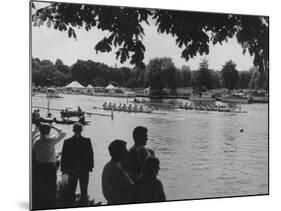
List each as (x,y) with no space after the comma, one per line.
(51,44)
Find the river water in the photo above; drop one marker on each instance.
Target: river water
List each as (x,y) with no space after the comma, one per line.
(202,154)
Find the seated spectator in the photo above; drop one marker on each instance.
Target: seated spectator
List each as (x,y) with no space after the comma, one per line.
(147,187)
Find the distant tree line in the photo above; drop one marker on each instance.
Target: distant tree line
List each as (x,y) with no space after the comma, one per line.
(158,74)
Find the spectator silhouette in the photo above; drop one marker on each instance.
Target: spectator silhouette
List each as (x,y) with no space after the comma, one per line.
(77,160)
(138,152)
(117,186)
(147,187)
(44,165)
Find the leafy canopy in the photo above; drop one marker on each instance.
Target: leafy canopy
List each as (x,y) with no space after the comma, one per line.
(193,31)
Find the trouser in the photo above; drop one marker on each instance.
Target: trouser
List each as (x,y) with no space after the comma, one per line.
(83,178)
(44,182)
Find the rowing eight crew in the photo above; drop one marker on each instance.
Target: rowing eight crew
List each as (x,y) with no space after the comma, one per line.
(123,107)
(209,107)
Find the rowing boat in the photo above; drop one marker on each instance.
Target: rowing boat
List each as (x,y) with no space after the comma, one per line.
(210,108)
(122,110)
(71,113)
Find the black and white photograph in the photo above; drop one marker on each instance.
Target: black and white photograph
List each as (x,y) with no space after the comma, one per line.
(137,105)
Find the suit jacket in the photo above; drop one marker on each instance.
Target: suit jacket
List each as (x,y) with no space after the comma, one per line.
(77,155)
(135,160)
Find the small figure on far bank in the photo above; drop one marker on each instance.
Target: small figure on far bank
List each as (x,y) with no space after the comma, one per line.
(77,160)
(117,186)
(147,187)
(138,152)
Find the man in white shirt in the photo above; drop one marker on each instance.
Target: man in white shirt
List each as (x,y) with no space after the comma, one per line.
(44,177)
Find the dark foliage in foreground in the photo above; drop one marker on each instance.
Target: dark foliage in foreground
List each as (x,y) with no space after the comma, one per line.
(190,29)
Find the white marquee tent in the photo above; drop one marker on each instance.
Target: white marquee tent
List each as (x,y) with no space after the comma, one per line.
(74,84)
(111,87)
(90,86)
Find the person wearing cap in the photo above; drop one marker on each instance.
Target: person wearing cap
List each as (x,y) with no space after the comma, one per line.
(44,157)
(138,152)
(77,160)
(117,186)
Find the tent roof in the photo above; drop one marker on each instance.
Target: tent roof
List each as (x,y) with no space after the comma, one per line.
(74,84)
(90,86)
(110,86)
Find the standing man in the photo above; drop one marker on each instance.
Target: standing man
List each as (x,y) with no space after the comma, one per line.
(138,153)
(77,160)
(44,165)
(117,187)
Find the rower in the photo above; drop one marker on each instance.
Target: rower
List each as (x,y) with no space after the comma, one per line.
(114,106)
(82,119)
(49,115)
(130,107)
(135,108)
(37,115)
(181,105)
(33,114)
(104,105)
(120,107)
(124,107)
(109,106)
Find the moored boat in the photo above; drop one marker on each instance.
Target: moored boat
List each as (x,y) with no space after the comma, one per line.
(67,113)
(234,99)
(202,98)
(124,109)
(128,110)
(260,99)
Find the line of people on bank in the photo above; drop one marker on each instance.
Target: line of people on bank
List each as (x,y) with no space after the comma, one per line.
(129,177)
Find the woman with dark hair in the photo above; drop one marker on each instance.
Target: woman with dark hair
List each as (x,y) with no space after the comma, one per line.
(147,187)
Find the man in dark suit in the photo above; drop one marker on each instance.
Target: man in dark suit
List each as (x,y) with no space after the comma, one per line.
(138,153)
(77,160)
